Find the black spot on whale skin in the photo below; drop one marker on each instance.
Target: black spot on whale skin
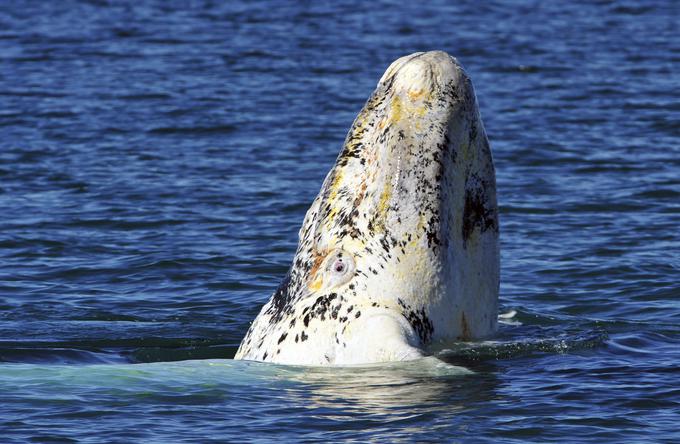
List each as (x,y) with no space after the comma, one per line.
(421,324)
(281,300)
(431,233)
(320,308)
(345,222)
(449,93)
(371,228)
(475,212)
(248,337)
(419,320)
(384,242)
(283,337)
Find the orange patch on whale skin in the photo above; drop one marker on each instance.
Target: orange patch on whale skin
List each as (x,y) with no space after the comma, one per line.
(315,283)
(465,335)
(360,195)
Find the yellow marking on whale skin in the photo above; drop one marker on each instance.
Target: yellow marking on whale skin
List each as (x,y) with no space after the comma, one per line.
(335,185)
(360,123)
(316,285)
(332,197)
(416,114)
(409,107)
(383,205)
(397,109)
(415,94)
(384,198)
(331,217)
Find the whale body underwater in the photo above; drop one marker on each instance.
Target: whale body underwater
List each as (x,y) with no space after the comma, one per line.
(399,251)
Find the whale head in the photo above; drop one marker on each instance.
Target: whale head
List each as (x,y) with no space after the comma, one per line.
(399,250)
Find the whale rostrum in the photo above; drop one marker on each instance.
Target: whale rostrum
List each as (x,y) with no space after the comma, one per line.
(399,251)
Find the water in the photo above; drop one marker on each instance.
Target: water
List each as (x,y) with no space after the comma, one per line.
(157,158)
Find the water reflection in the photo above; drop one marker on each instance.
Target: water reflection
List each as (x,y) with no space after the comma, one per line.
(419,395)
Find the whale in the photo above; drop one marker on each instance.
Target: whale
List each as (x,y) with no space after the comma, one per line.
(399,251)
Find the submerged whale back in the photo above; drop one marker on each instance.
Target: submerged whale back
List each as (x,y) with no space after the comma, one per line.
(400,247)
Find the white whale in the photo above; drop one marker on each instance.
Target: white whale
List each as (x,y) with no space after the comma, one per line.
(399,251)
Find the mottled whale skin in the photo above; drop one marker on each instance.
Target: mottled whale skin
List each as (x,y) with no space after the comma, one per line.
(399,251)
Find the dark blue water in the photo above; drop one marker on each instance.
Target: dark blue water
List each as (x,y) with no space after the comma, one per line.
(156,161)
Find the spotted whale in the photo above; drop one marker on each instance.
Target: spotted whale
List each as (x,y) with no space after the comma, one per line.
(399,251)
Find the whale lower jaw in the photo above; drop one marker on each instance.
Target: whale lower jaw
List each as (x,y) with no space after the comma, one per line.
(378,335)
(381,337)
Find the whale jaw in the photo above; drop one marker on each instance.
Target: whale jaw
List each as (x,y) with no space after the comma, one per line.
(400,247)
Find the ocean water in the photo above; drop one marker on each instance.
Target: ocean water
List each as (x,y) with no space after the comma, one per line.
(157,159)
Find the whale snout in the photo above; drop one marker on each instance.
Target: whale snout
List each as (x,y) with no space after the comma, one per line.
(424,72)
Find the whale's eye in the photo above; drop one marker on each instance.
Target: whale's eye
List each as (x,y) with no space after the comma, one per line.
(340,267)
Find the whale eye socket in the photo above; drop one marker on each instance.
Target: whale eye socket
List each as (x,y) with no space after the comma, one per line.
(340,267)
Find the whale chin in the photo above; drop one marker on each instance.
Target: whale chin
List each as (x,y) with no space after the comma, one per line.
(400,247)
(378,336)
